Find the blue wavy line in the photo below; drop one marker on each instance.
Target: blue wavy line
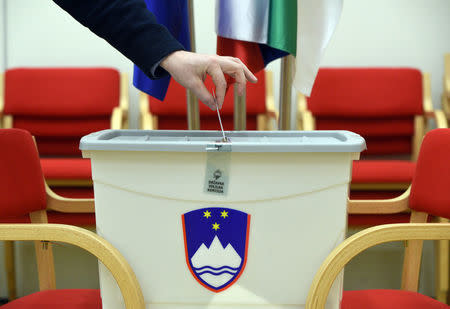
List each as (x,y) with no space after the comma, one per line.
(215,274)
(200,268)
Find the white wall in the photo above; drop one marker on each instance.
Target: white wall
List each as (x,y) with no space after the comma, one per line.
(53,38)
(2,35)
(413,33)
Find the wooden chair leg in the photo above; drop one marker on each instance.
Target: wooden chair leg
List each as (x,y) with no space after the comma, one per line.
(10,267)
(442,255)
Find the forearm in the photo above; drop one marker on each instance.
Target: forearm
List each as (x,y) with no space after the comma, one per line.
(128,26)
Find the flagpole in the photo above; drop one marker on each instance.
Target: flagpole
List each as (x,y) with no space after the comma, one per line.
(240,110)
(193,115)
(285,106)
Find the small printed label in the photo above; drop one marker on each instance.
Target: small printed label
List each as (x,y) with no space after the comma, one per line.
(217,173)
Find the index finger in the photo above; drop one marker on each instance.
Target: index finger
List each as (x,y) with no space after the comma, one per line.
(248,74)
(219,81)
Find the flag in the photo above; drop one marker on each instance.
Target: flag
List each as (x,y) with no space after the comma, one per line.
(246,29)
(174,16)
(260,31)
(317,21)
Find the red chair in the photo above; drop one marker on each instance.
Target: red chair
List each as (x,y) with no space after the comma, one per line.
(171,114)
(59,106)
(390,108)
(22,192)
(429,196)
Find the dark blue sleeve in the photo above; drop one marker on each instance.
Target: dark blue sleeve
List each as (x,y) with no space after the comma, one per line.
(129,27)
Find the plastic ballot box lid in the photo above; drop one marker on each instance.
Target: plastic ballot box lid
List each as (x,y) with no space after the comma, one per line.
(239,141)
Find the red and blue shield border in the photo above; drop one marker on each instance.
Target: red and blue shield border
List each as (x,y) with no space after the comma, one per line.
(243,264)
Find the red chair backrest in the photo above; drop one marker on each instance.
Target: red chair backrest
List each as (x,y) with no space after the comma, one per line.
(60,105)
(378,103)
(172,111)
(430,189)
(22,187)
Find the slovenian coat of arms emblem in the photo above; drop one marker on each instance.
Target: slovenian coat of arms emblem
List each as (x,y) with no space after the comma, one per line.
(216,244)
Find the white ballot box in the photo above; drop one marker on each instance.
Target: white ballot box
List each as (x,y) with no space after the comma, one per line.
(208,224)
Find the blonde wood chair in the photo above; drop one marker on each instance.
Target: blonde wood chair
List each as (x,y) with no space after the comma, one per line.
(71,102)
(55,204)
(44,235)
(427,196)
(366,101)
(21,171)
(335,262)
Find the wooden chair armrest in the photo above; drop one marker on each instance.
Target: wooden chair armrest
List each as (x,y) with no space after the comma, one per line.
(301,109)
(146,118)
(447,75)
(439,116)
(143,102)
(445,104)
(58,203)
(117,118)
(307,120)
(7,121)
(388,206)
(361,241)
(89,241)
(301,102)
(271,111)
(427,101)
(124,96)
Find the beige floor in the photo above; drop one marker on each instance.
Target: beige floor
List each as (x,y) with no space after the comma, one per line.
(379,267)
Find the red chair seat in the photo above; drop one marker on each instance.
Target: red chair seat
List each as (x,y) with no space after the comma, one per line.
(372,171)
(74,192)
(66,168)
(67,299)
(388,299)
(77,219)
(373,220)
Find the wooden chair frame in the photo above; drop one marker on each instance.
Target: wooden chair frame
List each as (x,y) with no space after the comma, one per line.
(446,87)
(413,233)
(42,234)
(264,122)
(55,202)
(307,122)
(119,119)
(400,205)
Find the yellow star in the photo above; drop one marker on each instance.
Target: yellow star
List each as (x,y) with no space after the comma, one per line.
(207,214)
(216,226)
(224,214)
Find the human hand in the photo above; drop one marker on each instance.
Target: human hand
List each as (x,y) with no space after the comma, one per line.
(190,69)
